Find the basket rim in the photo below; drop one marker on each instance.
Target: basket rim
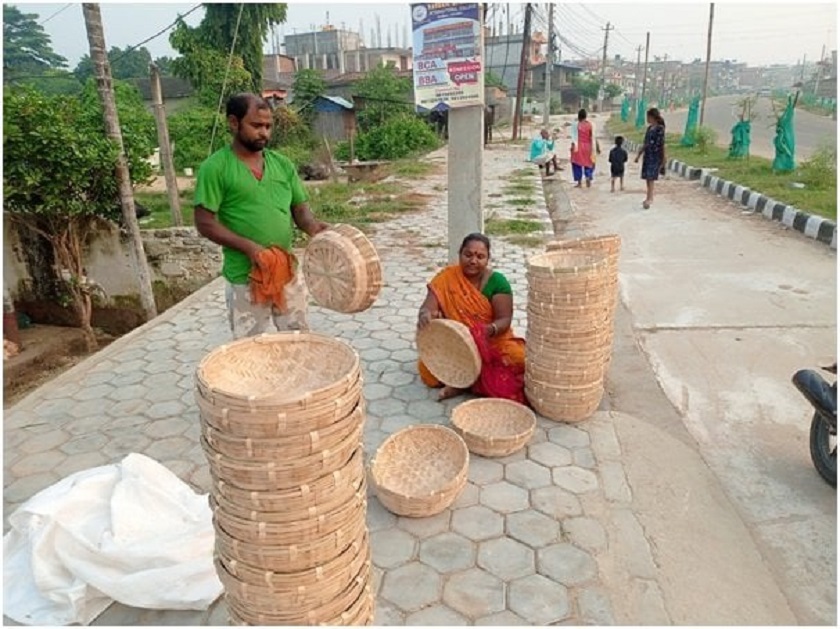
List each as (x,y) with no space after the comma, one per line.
(295,336)
(456,418)
(447,327)
(453,436)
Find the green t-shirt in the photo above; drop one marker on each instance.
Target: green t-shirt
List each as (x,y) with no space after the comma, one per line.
(497,284)
(259,210)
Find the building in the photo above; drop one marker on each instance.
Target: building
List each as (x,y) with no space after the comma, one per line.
(323,49)
(562,74)
(276,66)
(335,118)
(365,59)
(502,56)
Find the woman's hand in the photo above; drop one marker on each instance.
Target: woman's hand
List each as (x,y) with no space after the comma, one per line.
(491,330)
(424,317)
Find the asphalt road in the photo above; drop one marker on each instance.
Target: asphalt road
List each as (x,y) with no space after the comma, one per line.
(812,131)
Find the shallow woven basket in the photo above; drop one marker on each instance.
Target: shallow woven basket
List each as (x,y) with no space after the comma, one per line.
(493,427)
(570,266)
(284,369)
(567,404)
(283,473)
(420,470)
(303,501)
(336,272)
(290,447)
(448,350)
(373,266)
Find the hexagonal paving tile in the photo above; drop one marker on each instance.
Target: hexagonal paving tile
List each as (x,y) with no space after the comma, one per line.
(586,533)
(96,392)
(504,497)
(84,444)
(583,457)
(392,547)
(43,442)
(503,619)
(118,447)
(167,427)
(467,498)
(556,502)
(475,593)
(412,393)
(566,564)
(533,528)
(422,528)
(378,517)
(168,448)
(26,487)
(412,587)
(568,436)
(528,474)
(397,379)
(41,462)
(436,616)
(594,606)
(447,552)
(550,454)
(131,392)
(386,407)
(539,600)
(506,558)
(395,423)
(477,523)
(377,392)
(484,471)
(423,410)
(575,479)
(79,462)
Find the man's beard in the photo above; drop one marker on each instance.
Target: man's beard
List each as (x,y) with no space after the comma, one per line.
(255,146)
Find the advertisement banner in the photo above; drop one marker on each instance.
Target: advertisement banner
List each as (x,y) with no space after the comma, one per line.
(448,46)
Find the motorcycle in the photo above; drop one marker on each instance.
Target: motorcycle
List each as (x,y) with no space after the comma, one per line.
(823,441)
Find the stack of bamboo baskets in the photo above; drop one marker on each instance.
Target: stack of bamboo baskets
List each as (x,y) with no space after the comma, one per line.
(572,295)
(282,418)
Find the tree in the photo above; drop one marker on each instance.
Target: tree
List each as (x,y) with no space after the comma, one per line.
(164,64)
(26,47)
(52,82)
(308,85)
(612,90)
(125,64)
(491,79)
(386,96)
(586,87)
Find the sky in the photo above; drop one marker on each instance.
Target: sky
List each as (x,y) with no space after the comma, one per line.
(758,33)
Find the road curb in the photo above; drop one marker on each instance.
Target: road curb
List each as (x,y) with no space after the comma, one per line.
(813,226)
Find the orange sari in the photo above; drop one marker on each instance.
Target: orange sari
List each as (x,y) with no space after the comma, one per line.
(502,356)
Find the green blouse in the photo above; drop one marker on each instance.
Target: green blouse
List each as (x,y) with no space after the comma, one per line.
(497,284)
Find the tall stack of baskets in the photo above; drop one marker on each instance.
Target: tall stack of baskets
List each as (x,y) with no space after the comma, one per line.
(572,295)
(282,418)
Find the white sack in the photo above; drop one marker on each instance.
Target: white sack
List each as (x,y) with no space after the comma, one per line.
(131,532)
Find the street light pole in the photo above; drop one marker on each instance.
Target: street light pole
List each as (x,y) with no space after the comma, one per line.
(602,93)
(549,67)
(647,56)
(708,61)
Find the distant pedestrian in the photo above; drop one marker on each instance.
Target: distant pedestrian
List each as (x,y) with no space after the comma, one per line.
(618,157)
(542,152)
(584,148)
(653,150)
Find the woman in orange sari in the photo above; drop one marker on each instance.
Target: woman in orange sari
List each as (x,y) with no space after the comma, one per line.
(473,294)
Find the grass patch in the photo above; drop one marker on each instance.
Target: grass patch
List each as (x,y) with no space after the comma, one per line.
(755,173)
(412,168)
(522,202)
(530,241)
(158,203)
(517,188)
(520,172)
(513,226)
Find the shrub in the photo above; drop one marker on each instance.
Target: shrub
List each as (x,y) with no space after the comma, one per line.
(704,137)
(820,168)
(190,130)
(400,137)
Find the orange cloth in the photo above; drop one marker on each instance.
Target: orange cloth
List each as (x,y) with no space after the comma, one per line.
(461,301)
(274,269)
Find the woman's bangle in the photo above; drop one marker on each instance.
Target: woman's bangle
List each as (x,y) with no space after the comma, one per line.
(495,329)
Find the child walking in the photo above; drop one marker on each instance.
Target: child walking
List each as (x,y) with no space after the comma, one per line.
(618,157)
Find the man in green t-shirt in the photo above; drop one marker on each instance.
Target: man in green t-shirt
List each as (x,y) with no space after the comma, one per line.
(246,198)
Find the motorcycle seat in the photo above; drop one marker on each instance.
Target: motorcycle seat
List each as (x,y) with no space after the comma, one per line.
(821,394)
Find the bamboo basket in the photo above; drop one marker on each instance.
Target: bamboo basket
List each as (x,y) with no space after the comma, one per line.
(570,404)
(286,369)
(305,500)
(448,350)
(317,550)
(420,470)
(275,475)
(337,273)
(267,423)
(278,448)
(493,427)
(373,266)
(570,266)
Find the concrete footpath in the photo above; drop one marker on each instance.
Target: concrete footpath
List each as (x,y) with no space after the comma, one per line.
(622,519)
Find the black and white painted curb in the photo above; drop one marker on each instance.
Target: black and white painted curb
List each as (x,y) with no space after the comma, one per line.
(813,226)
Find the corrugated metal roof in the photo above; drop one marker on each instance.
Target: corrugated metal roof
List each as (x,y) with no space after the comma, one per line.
(339,101)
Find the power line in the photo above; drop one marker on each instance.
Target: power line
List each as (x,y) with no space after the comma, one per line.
(61,10)
(156,35)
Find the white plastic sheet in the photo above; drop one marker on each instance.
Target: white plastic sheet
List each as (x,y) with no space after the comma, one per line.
(132,532)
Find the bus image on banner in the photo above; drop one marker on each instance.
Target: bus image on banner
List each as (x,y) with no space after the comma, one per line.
(448,67)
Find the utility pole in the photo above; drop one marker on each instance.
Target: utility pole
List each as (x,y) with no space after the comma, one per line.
(802,73)
(602,94)
(708,62)
(819,72)
(549,67)
(102,72)
(165,146)
(647,56)
(523,63)
(664,75)
(638,73)
(378,32)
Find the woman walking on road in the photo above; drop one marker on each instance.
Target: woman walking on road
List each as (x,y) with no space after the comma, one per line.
(584,148)
(653,150)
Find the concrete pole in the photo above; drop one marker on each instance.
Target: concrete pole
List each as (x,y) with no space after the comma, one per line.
(664,76)
(638,73)
(602,93)
(647,56)
(708,62)
(819,73)
(165,147)
(523,64)
(549,66)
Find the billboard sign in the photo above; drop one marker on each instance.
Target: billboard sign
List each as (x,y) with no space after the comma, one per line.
(448,44)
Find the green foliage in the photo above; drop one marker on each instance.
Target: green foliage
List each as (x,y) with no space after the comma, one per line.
(401,136)
(502,227)
(386,96)
(125,64)
(704,138)
(190,130)
(821,169)
(164,64)
(612,90)
(555,106)
(52,83)
(218,27)
(586,87)
(26,47)
(205,66)
(136,123)
(491,79)
(308,85)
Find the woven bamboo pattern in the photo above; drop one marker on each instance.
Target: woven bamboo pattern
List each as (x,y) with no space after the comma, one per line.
(493,427)
(448,350)
(373,266)
(420,470)
(282,418)
(277,369)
